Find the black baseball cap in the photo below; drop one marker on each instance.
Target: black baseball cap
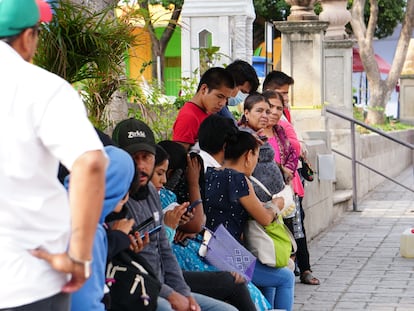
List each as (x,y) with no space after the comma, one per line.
(134,135)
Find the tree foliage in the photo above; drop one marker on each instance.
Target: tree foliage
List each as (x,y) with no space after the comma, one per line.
(380,89)
(88,49)
(271,10)
(390,14)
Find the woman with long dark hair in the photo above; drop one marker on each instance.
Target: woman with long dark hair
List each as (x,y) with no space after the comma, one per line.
(230,200)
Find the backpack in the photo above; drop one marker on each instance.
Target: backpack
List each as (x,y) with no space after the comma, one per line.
(132,283)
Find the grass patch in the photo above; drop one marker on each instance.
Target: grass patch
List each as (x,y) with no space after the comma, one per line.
(390,124)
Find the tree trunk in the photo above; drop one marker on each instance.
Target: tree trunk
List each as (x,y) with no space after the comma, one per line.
(377,101)
(158,46)
(380,90)
(96,5)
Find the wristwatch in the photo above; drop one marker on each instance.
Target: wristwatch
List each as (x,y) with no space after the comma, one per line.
(87,265)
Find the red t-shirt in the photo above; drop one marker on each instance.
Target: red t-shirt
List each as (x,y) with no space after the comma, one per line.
(189,118)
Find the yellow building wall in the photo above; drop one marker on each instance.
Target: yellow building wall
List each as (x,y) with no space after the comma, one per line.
(140,54)
(277,52)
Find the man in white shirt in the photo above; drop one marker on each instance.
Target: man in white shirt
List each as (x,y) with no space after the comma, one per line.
(213,134)
(45,238)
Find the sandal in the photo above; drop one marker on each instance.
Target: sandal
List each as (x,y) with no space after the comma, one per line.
(308,278)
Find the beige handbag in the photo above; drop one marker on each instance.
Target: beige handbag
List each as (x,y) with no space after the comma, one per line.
(286,193)
(272,244)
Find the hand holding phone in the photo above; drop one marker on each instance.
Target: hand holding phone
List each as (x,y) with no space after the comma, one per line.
(152,231)
(194,204)
(142,226)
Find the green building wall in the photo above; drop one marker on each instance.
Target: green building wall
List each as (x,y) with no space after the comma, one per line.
(172,70)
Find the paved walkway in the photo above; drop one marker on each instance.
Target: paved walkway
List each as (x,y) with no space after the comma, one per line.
(357,259)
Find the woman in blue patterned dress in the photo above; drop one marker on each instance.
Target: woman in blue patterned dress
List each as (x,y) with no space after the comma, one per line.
(220,285)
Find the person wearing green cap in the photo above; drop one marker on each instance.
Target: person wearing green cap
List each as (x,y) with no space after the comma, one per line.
(46,235)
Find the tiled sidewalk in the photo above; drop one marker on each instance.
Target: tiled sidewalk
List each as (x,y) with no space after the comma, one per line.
(357,259)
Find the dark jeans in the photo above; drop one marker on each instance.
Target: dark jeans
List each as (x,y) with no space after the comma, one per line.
(302,254)
(59,302)
(221,286)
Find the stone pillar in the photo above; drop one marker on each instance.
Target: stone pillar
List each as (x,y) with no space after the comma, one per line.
(338,84)
(302,58)
(407,87)
(338,95)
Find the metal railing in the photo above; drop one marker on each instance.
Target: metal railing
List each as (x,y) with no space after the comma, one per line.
(353,153)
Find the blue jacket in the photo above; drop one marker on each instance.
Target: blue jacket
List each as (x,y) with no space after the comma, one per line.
(119,175)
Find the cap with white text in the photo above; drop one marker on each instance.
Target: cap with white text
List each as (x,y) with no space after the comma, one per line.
(134,135)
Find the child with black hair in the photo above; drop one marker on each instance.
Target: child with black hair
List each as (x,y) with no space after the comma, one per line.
(231,200)
(174,213)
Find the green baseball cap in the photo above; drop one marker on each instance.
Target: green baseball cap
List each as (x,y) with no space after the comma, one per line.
(17,15)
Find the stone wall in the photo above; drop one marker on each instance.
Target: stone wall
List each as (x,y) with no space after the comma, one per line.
(318,201)
(385,156)
(373,150)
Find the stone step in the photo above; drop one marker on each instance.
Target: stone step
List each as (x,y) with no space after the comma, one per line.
(341,196)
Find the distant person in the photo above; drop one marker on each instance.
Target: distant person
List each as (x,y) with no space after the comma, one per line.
(46,236)
(280,82)
(215,87)
(246,81)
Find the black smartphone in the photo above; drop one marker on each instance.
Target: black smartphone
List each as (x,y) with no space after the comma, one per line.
(142,225)
(194,204)
(152,231)
(184,242)
(263,138)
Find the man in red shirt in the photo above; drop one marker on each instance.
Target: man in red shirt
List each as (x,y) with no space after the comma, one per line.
(215,87)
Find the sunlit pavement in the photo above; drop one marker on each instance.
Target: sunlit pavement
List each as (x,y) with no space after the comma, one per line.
(357,259)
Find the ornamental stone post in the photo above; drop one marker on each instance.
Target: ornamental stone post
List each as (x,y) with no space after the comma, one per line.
(335,12)
(301,10)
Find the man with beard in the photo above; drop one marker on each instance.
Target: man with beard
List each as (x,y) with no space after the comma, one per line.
(137,138)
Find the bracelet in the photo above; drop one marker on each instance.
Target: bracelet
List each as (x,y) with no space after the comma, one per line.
(87,265)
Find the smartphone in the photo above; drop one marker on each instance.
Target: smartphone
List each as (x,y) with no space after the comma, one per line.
(263,138)
(152,231)
(194,204)
(142,225)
